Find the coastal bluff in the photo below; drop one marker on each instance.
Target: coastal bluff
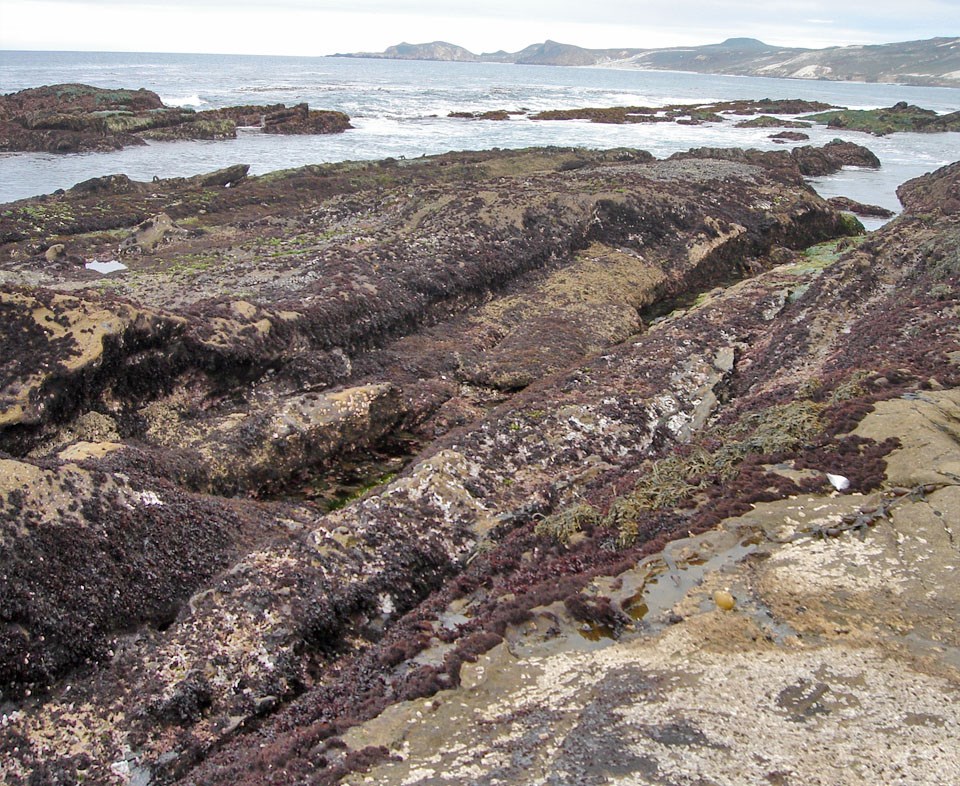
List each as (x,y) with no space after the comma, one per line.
(545,465)
(932,61)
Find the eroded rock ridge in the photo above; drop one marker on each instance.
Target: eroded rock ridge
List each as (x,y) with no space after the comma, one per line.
(333,434)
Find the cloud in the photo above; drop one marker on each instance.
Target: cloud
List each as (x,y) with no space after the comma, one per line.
(327,26)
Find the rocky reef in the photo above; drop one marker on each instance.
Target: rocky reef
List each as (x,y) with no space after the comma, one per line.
(889,120)
(439,466)
(692,114)
(803,114)
(75,118)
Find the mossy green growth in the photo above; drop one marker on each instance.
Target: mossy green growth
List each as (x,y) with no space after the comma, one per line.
(191,265)
(669,481)
(852,225)
(818,257)
(768,121)
(127,123)
(341,501)
(45,217)
(889,120)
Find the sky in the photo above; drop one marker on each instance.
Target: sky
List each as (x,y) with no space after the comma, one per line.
(323,27)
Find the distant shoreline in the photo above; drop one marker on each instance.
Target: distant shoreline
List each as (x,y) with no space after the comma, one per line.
(894,63)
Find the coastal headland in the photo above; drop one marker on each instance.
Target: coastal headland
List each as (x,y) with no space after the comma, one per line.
(932,61)
(544,465)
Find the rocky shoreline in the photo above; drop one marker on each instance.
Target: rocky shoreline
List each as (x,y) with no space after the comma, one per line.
(336,442)
(74,118)
(879,122)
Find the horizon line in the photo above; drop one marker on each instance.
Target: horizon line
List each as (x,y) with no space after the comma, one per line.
(450,43)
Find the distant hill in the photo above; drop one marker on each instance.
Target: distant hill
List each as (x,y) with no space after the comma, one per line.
(552,53)
(547,53)
(438,50)
(935,61)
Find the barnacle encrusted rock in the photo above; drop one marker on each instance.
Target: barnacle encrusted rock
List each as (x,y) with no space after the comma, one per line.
(301,475)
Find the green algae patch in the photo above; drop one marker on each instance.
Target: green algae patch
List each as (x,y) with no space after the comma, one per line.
(818,257)
(888,120)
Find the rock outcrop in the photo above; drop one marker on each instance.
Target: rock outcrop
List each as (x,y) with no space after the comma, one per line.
(859,208)
(899,117)
(692,114)
(354,427)
(74,118)
(805,161)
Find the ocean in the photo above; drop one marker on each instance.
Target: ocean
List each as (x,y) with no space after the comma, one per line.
(400,108)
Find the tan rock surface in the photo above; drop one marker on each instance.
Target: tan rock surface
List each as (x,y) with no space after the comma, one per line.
(839,665)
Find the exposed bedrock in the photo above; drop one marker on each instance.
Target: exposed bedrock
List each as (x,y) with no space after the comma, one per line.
(499,273)
(801,161)
(859,208)
(749,396)
(72,118)
(312,293)
(493,308)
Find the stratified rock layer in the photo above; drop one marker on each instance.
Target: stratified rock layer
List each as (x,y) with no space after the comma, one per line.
(581,356)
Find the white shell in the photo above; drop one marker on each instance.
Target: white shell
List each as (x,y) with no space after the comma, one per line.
(839,482)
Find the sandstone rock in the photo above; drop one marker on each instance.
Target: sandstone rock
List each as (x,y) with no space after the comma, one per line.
(851,154)
(689,113)
(782,162)
(88,555)
(765,121)
(300,119)
(54,342)
(110,184)
(407,295)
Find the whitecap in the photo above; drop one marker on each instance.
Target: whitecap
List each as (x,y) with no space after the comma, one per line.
(105,267)
(184,101)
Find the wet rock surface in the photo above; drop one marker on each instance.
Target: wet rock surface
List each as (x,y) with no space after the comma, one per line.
(888,120)
(543,366)
(693,114)
(74,118)
(806,160)
(832,666)
(860,209)
(766,113)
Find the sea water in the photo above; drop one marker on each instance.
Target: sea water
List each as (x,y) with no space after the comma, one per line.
(401,108)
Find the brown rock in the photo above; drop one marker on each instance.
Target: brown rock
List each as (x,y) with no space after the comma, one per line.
(790,136)
(860,209)
(936,193)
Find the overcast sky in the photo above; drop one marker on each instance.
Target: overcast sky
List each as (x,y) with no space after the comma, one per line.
(321,27)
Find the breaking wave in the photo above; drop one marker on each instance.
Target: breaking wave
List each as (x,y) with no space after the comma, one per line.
(184,101)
